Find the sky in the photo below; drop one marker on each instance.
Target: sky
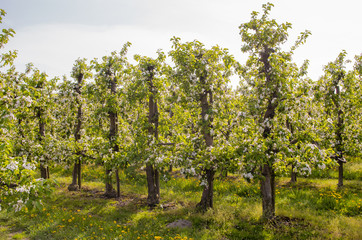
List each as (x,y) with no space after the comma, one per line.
(52,34)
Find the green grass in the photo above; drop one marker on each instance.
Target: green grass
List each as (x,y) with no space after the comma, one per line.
(309,209)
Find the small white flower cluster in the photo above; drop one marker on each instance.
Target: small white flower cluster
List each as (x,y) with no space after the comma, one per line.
(23,189)
(10,116)
(306,170)
(159,159)
(28,166)
(322,166)
(12,166)
(203,182)
(189,171)
(248,175)
(19,205)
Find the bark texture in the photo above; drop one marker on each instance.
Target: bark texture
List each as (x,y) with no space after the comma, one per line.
(267,183)
(77,169)
(110,192)
(153,185)
(207,198)
(118,184)
(339,131)
(268,191)
(44,169)
(152,174)
(113,130)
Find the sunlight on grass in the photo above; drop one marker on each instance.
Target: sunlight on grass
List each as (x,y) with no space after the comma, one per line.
(309,209)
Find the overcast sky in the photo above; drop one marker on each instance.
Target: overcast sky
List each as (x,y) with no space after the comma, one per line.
(52,34)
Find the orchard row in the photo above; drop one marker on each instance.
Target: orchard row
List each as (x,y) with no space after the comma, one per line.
(122,115)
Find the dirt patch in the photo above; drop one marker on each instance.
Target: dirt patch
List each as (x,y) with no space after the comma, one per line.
(284,221)
(180,224)
(131,200)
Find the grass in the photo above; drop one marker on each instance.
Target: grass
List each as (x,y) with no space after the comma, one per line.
(310,209)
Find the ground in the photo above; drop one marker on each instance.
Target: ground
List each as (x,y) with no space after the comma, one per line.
(312,208)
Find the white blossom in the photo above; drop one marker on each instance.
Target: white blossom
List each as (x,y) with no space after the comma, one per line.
(248,175)
(203,182)
(22,189)
(322,166)
(12,166)
(307,170)
(19,205)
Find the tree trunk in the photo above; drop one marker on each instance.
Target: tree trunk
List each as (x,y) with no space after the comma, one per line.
(340,174)
(153,178)
(207,199)
(113,130)
(267,187)
(267,183)
(78,136)
(153,186)
(44,171)
(80,174)
(74,186)
(293,175)
(118,184)
(76,181)
(75,174)
(339,133)
(208,191)
(110,192)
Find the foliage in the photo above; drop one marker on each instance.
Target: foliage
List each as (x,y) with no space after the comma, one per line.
(107,97)
(201,73)
(339,90)
(282,131)
(19,148)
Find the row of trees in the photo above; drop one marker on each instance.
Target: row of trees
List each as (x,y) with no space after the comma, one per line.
(150,114)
